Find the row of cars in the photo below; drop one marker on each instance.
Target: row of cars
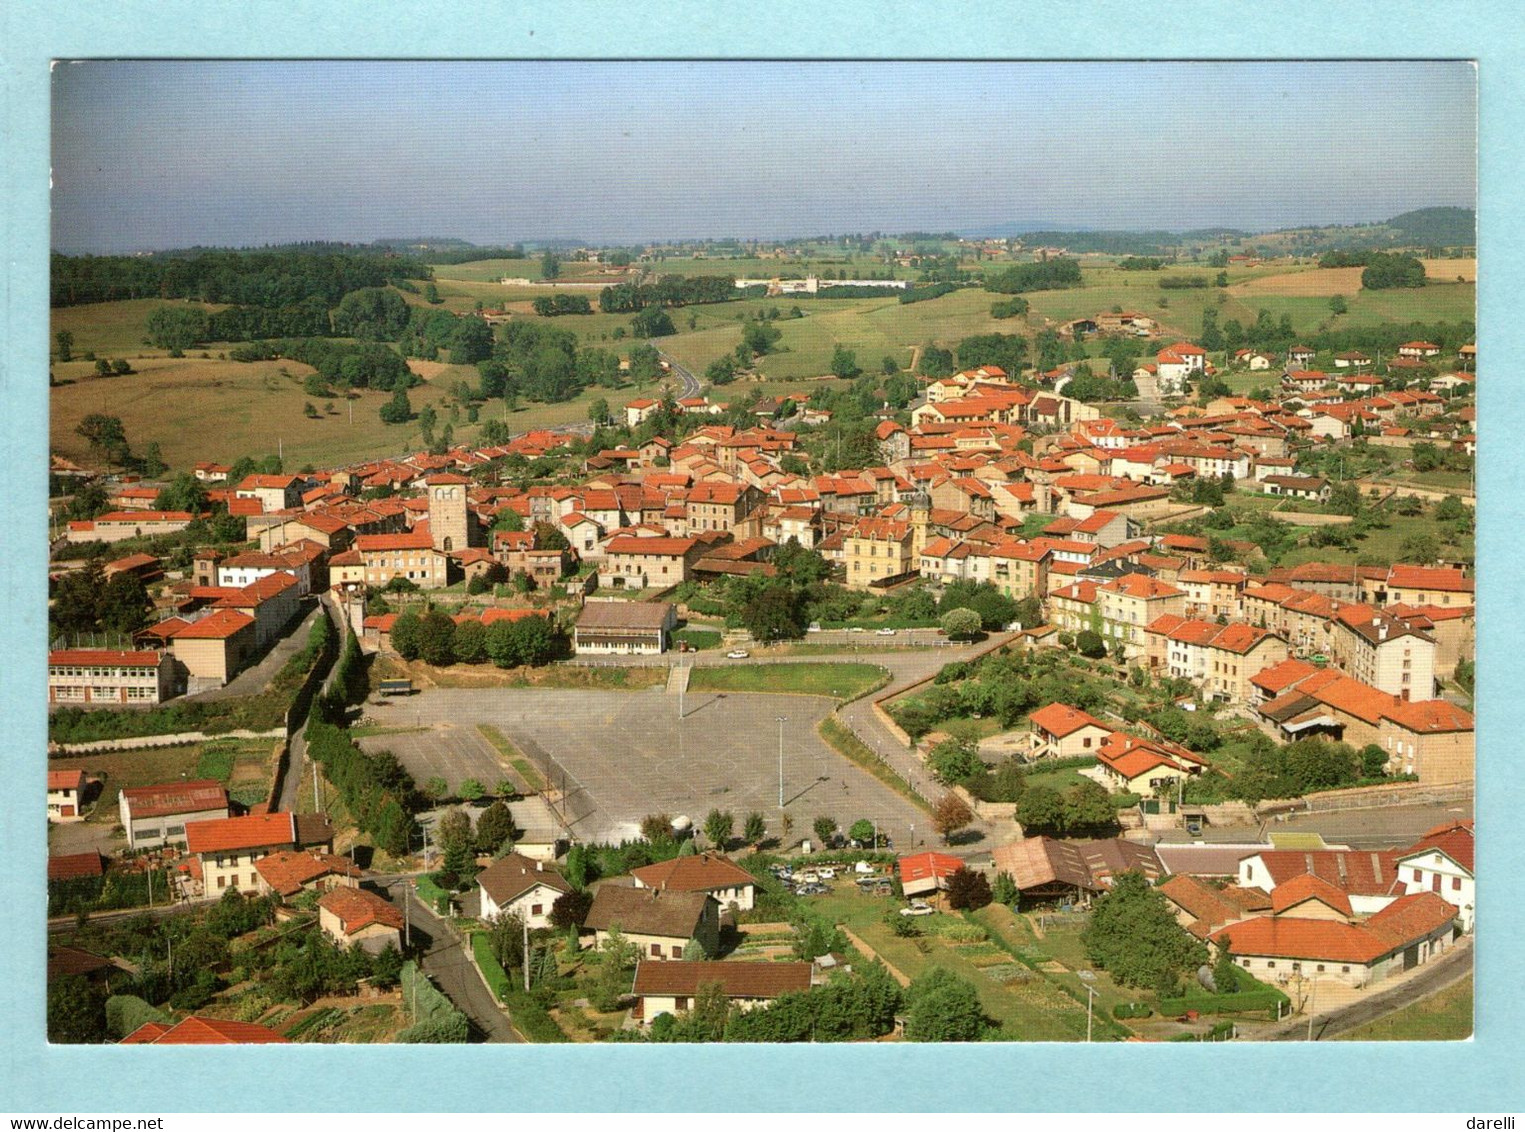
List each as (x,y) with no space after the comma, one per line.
(817,880)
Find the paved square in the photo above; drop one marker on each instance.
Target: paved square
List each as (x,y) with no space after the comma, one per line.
(623,755)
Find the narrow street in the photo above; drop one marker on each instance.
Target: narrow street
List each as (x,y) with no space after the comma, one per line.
(444,959)
(296,758)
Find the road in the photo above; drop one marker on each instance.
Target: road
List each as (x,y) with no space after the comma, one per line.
(1427,980)
(444,959)
(690,383)
(297,753)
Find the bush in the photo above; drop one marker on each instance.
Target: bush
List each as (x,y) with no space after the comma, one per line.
(1132,1010)
(438,1020)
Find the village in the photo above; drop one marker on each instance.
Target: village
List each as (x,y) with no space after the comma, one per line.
(1033,722)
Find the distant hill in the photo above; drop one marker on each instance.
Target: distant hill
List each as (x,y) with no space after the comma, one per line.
(1443,227)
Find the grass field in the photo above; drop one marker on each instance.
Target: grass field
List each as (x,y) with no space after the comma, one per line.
(206,409)
(113,329)
(842,681)
(1445,1016)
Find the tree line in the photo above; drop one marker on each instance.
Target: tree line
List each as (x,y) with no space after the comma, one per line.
(259,279)
(668,291)
(1053,274)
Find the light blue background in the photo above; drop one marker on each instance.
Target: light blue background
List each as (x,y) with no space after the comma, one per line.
(1479,1076)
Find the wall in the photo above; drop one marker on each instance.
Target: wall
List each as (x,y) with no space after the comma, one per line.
(139,742)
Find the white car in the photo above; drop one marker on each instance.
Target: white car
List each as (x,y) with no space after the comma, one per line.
(917,908)
(826,874)
(809,876)
(737,654)
(885,632)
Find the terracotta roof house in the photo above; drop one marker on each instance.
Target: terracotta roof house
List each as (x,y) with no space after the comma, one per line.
(196,1031)
(710,873)
(660,923)
(357,917)
(671,988)
(1408,932)
(288,873)
(70,866)
(926,874)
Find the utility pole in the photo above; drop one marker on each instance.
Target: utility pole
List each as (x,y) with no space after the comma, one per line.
(525,924)
(1312,994)
(407,916)
(783,719)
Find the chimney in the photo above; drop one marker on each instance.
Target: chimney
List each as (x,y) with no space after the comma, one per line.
(540,866)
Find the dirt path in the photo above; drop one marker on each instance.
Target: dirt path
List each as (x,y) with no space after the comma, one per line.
(857,941)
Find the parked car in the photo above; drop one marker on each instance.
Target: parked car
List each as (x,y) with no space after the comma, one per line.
(812,890)
(917,908)
(737,654)
(855,628)
(813,627)
(826,873)
(885,632)
(809,876)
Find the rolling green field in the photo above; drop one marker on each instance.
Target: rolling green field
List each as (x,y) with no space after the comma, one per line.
(254,409)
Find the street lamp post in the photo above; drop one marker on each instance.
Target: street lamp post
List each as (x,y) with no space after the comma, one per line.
(1089,980)
(783,719)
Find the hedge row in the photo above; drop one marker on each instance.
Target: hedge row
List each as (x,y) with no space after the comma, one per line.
(528,1016)
(436,1020)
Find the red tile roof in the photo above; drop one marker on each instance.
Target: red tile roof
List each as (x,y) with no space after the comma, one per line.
(418,538)
(1428,716)
(72,865)
(1291,893)
(929,866)
(196,1031)
(287,872)
(1061,720)
(359,908)
(218,626)
(220,835)
(97,658)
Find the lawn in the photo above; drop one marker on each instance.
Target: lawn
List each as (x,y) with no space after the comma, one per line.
(1445,1016)
(842,681)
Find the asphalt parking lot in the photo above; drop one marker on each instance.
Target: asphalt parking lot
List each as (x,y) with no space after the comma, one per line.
(623,755)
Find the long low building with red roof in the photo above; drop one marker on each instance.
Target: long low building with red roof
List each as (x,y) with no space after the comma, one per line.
(157,815)
(926,874)
(1295,943)
(138,677)
(228,849)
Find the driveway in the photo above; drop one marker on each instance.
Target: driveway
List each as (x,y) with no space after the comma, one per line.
(616,757)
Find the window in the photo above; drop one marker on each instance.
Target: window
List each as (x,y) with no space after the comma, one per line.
(536,909)
(1345,970)
(1270,964)
(1320,968)
(680,1002)
(1456,884)
(222,882)
(656,950)
(677,951)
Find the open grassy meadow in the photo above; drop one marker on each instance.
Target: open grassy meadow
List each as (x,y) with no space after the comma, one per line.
(207,409)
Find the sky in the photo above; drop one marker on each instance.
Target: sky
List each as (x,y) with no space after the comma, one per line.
(167,154)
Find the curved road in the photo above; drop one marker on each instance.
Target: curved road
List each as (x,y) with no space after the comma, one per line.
(690,383)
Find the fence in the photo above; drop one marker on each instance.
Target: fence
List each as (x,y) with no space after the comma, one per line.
(140,742)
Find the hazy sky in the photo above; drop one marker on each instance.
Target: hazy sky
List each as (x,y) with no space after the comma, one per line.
(170,154)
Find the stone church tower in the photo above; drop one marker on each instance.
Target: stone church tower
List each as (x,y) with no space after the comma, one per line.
(449,517)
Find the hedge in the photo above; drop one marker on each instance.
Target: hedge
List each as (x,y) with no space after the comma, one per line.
(1241,1002)
(525,1011)
(436,1019)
